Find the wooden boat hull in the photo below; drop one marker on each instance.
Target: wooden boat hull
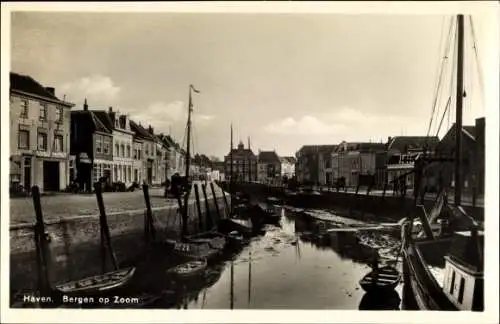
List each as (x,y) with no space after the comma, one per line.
(100,284)
(384,279)
(419,281)
(189,269)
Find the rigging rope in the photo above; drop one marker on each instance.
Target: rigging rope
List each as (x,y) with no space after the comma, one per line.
(443,66)
(453,77)
(438,75)
(478,63)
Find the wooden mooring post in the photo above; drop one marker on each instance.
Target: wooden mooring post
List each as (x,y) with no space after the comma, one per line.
(208,215)
(357,188)
(41,245)
(105,236)
(198,206)
(149,230)
(228,210)
(212,188)
(385,190)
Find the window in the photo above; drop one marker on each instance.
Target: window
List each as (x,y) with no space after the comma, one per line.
(452,287)
(42,141)
(24,109)
(59,114)
(139,152)
(128,150)
(106,146)
(117,150)
(24,139)
(58,143)
(461,290)
(122,150)
(98,145)
(147,150)
(43,111)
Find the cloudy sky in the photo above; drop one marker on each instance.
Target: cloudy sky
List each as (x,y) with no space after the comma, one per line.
(284,80)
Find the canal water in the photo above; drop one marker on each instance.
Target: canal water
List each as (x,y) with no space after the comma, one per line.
(291,266)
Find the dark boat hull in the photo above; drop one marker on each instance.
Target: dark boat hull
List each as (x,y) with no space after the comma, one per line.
(386,279)
(424,291)
(100,284)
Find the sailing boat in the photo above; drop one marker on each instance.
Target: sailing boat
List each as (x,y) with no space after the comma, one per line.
(105,283)
(204,245)
(463,245)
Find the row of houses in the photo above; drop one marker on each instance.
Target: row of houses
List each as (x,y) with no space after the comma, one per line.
(360,163)
(266,166)
(52,146)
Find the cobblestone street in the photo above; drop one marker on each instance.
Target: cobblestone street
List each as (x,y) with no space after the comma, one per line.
(64,205)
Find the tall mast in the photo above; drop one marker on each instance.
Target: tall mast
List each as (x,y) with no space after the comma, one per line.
(188,146)
(458,122)
(231,171)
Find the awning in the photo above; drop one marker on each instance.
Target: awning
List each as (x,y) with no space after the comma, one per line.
(84,158)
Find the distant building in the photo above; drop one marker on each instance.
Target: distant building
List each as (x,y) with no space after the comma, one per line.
(288,167)
(244,164)
(402,151)
(269,167)
(39,136)
(354,161)
(473,155)
(307,166)
(145,167)
(91,144)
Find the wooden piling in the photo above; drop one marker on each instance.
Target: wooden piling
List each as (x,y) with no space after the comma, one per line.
(181,210)
(105,236)
(198,206)
(41,245)
(208,215)
(215,200)
(226,204)
(357,188)
(385,189)
(149,230)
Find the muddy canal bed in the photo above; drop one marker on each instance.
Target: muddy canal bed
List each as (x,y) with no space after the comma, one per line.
(295,266)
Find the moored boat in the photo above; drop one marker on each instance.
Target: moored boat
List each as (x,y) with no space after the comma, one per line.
(99,284)
(189,268)
(380,279)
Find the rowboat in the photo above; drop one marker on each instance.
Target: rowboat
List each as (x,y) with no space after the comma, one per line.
(380,279)
(190,268)
(192,250)
(98,284)
(213,239)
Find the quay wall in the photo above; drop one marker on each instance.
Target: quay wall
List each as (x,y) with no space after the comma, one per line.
(356,205)
(74,247)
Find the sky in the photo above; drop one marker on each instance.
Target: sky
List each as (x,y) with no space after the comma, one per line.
(282,80)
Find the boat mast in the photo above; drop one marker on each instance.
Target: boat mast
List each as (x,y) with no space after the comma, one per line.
(231,171)
(458,122)
(188,146)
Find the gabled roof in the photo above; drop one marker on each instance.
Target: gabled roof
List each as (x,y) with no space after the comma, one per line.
(88,120)
(140,131)
(105,118)
(268,157)
(404,143)
(288,159)
(28,85)
(309,149)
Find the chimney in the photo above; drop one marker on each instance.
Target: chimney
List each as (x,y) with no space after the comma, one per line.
(51,90)
(110,109)
(85,106)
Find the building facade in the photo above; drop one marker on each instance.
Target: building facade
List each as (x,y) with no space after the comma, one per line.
(269,167)
(356,162)
(307,166)
(39,136)
(402,151)
(244,164)
(123,143)
(288,167)
(91,144)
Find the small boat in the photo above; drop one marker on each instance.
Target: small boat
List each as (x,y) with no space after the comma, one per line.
(236,239)
(381,279)
(213,239)
(190,268)
(98,284)
(229,225)
(192,250)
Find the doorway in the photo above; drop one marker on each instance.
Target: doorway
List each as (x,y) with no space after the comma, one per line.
(50,175)
(27,174)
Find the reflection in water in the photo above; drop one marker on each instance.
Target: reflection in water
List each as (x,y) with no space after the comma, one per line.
(380,301)
(296,265)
